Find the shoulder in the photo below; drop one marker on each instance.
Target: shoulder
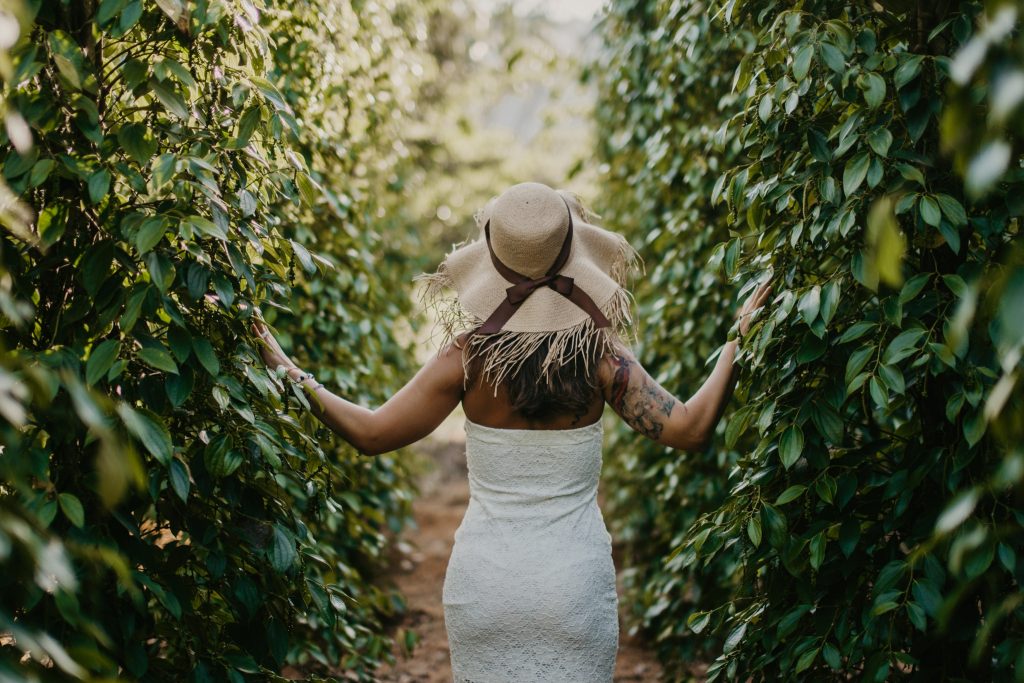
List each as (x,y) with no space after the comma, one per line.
(446,365)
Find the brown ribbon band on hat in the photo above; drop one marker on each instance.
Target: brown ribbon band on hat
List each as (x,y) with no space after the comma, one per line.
(524,286)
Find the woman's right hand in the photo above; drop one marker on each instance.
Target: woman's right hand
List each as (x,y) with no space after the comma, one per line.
(751,306)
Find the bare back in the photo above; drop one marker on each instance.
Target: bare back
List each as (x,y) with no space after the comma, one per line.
(439,386)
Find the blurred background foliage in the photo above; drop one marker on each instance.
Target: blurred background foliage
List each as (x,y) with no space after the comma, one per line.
(860,513)
(502,103)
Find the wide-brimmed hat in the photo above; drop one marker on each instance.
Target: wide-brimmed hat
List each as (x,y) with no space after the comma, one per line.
(539,271)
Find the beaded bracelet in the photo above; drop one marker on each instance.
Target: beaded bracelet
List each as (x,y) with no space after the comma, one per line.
(303,377)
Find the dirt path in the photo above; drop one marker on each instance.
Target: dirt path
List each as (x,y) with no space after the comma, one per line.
(420,575)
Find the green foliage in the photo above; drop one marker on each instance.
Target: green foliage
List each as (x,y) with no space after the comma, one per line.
(168,509)
(858,517)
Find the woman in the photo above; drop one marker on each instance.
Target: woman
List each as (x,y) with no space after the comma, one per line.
(533,352)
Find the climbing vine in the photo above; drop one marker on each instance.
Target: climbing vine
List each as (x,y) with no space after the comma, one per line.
(168,510)
(858,514)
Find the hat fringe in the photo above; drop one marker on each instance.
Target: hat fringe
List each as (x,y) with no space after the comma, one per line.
(503,353)
(627,264)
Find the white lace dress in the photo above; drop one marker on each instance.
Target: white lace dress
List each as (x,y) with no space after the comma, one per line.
(529,593)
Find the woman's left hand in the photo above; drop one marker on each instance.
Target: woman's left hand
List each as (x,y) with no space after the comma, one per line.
(273,354)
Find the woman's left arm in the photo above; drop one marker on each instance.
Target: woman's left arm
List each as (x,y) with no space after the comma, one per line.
(409,415)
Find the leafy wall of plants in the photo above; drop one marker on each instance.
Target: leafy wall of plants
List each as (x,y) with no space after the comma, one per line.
(167,509)
(859,514)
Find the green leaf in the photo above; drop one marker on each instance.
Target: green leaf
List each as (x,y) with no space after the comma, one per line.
(95,265)
(734,638)
(893,378)
(172,8)
(282,550)
(917,616)
(818,145)
(830,300)
(903,345)
(754,530)
(911,173)
(974,427)
(736,425)
(72,509)
(857,360)
(179,477)
(833,58)
(164,167)
(913,287)
(879,394)
(907,70)
(1007,557)
(952,209)
(826,488)
(880,139)
(161,270)
(831,656)
(698,621)
(102,357)
(791,445)
(812,347)
(817,550)
(302,254)
(956,285)
(930,211)
(247,124)
(854,172)
(171,100)
(809,304)
(873,87)
(856,331)
(135,139)
(220,458)
(764,109)
(806,659)
(178,387)
(884,607)
(40,172)
(951,235)
(205,354)
(108,10)
(99,185)
(792,493)
(849,534)
(206,227)
(149,429)
(150,233)
(158,358)
(802,61)
(67,55)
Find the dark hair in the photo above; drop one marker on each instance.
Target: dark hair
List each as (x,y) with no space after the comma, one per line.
(570,389)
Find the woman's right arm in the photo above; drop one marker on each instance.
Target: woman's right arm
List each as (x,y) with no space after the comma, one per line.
(408,416)
(653,411)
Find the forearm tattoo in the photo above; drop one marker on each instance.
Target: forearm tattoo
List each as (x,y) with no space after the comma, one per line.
(642,404)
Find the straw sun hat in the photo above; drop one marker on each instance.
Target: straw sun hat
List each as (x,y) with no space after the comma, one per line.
(539,272)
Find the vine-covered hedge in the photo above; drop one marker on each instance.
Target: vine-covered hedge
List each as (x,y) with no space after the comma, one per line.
(167,510)
(859,514)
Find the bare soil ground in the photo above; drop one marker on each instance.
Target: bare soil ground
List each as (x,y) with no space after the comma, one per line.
(419,567)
